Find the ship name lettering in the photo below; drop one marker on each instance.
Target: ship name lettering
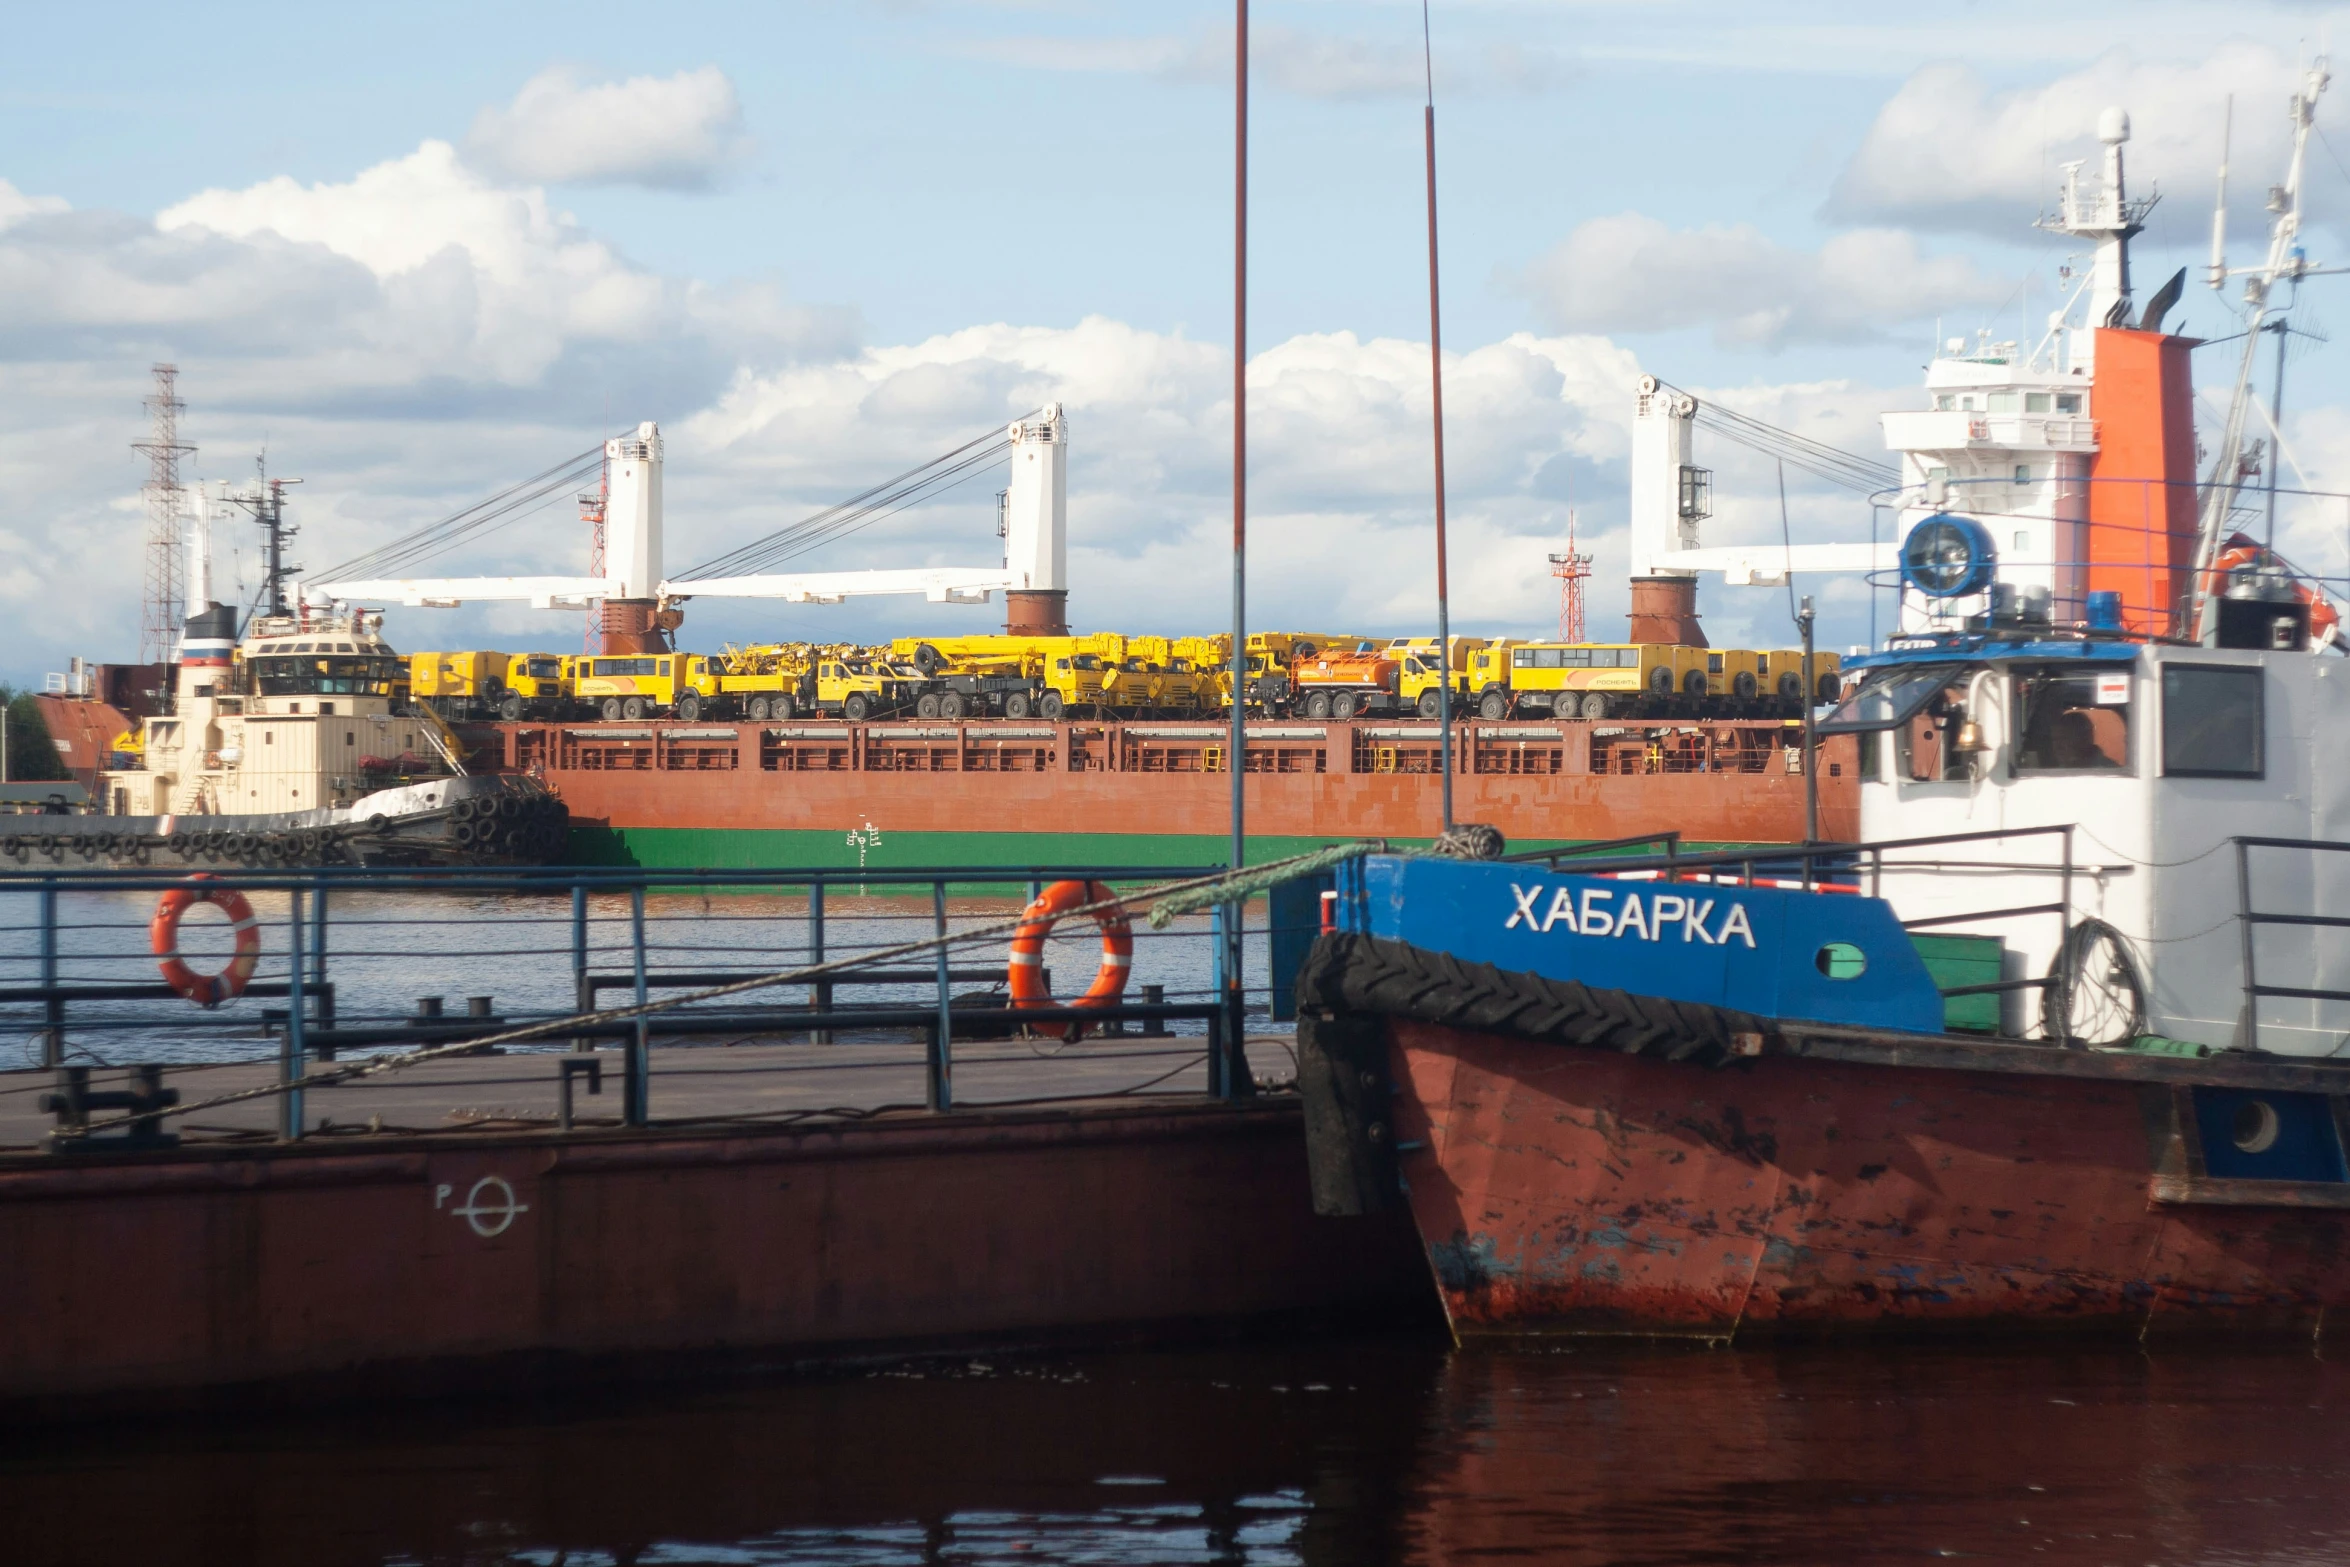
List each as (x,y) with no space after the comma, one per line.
(1645,917)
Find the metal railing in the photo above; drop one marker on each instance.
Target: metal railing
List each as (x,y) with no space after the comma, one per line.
(2249,919)
(346,950)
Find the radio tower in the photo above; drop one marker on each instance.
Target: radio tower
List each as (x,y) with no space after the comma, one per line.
(160,611)
(1573,569)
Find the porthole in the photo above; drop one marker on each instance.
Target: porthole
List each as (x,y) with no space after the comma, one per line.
(2254,1126)
(1842,960)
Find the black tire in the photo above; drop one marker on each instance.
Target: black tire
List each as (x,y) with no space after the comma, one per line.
(633,708)
(510,706)
(926,705)
(1431,702)
(856,707)
(1050,707)
(1343,705)
(950,704)
(1742,685)
(928,659)
(758,709)
(464,810)
(782,706)
(1016,705)
(2094,995)
(1347,972)
(1790,687)
(1307,650)
(378,822)
(464,834)
(1660,681)
(1318,705)
(1493,706)
(1593,705)
(611,710)
(1830,687)
(1694,683)
(689,707)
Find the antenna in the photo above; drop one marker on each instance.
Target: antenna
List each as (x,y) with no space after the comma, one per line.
(1573,569)
(2218,276)
(161,609)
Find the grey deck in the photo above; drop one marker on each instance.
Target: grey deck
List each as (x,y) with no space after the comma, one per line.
(752,1081)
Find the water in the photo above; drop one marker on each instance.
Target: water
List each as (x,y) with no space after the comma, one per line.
(1357,1451)
(386,949)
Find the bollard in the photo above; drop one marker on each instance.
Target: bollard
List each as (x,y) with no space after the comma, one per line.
(1154,996)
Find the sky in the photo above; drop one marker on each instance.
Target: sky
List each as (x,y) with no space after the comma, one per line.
(414,254)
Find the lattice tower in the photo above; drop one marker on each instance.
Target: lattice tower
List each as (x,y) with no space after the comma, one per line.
(1573,569)
(160,610)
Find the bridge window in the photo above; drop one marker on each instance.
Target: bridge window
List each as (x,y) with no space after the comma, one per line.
(2068,402)
(2073,720)
(2211,721)
(2035,402)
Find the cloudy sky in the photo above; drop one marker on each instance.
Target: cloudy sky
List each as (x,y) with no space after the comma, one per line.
(416,253)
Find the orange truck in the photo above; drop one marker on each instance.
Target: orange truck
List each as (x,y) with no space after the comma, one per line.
(1342,683)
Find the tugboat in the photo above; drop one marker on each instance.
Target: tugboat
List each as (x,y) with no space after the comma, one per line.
(293,748)
(2063,1041)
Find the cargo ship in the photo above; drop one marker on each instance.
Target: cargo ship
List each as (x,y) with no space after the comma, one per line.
(2056,1043)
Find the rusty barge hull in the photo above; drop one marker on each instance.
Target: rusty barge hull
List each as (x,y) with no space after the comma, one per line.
(824,795)
(1828,1189)
(395,1266)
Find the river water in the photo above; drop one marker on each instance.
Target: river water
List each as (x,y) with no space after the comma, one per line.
(1361,1450)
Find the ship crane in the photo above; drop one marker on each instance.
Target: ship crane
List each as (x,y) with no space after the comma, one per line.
(640,601)
(2284,262)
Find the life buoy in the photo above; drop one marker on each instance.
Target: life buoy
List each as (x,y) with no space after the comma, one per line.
(206,990)
(2242,554)
(1026,976)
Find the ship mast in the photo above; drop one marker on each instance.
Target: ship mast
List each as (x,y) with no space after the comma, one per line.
(266,500)
(2285,262)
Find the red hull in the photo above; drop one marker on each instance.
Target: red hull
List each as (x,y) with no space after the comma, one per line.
(1571,1190)
(399,1265)
(1717,782)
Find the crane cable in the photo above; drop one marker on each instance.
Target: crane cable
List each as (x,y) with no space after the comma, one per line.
(862,510)
(471,524)
(1845,469)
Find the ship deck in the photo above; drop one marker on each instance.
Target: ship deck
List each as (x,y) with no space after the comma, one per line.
(710,1085)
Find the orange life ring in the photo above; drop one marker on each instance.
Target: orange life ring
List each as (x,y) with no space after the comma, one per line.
(163,936)
(1036,922)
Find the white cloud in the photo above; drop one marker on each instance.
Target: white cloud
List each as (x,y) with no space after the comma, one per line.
(677,132)
(442,273)
(1630,273)
(412,338)
(1948,151)
(15,204)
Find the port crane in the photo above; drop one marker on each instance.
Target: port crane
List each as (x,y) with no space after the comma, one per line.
(640,600)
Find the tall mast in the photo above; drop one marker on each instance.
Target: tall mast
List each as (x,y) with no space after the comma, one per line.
(2284,262)
(160,610)
(1436,395)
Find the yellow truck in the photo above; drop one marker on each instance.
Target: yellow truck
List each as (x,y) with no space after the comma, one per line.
(1580,680)
(538,685)
(857,688)
(458,686)
(1423,672)
(635,686)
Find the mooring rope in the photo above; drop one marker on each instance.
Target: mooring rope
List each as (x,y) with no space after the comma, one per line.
(1199,893)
